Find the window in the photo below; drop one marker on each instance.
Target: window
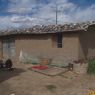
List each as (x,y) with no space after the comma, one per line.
(59,40)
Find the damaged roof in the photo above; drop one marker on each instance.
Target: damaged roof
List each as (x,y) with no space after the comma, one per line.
(42,29)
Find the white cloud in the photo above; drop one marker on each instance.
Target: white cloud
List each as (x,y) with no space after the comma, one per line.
(6,22)
(45,13)
(85,14)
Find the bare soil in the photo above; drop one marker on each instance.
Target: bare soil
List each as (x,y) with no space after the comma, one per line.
(23,81)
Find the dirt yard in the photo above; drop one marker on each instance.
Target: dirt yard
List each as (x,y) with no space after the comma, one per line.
(22,81)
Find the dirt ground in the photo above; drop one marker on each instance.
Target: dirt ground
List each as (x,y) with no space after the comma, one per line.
(22,81)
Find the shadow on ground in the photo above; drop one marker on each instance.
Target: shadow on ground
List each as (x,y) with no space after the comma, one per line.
(6,74)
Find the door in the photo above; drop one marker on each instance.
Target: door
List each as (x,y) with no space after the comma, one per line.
(9,48)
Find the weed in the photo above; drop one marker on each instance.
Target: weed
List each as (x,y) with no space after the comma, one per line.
(51,87)
(91,67)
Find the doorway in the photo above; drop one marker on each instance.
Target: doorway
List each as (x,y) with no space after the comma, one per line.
(9,48)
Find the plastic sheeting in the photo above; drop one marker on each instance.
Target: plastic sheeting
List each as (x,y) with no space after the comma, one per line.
(27,58)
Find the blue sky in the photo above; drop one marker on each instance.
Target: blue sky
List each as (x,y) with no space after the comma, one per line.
(83,3)
(26,13)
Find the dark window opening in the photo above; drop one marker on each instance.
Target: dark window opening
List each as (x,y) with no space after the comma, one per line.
(59,40)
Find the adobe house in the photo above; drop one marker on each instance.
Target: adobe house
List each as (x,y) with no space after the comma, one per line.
(62,43)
